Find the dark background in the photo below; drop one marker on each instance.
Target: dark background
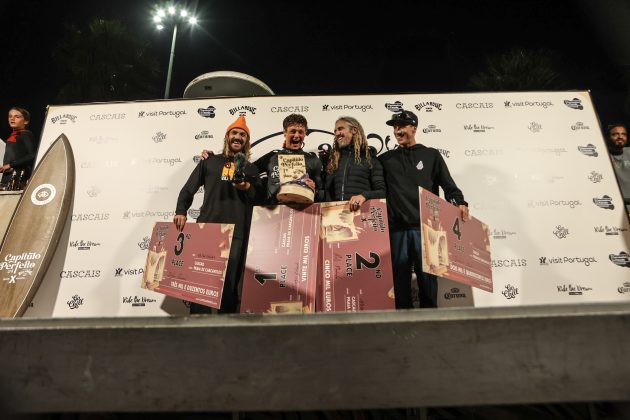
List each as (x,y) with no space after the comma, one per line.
(327,47)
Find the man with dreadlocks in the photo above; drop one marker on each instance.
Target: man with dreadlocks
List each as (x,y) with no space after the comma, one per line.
(224,201)
(353,173)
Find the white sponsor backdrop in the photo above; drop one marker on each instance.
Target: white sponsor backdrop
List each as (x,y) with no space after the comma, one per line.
(532,165)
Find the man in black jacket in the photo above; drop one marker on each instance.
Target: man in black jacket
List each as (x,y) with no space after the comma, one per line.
(224,201)
(353,172)
(406,168)
(19,154)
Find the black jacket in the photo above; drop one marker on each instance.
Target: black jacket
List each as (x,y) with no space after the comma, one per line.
(405,170)
(21,153)
(352,178)
(222,203)
(313,168)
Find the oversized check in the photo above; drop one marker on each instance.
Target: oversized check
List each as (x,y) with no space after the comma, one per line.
(452,248)
(191,264)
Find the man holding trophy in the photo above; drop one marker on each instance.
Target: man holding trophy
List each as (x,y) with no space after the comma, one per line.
(229,182)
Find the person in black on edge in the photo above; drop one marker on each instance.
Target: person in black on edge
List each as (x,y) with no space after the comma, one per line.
(406,168)
(20,150)
(224,201)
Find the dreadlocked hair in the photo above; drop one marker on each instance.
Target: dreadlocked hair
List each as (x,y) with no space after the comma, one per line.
(359,143)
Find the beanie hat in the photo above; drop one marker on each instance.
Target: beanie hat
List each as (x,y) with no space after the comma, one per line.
(239,123)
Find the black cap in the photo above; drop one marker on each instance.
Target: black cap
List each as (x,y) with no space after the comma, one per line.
(404,118)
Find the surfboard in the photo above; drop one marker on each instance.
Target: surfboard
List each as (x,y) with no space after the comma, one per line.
(34,231)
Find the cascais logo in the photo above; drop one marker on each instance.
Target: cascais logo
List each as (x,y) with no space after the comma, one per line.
(605,202)
(574,103)
(428,106)
(394,106)
(243,110)
(107,117)
(587,261)
(510,291)
(622,259)
(588,150)
(207,112)
(292,108)
(454,293)
(474,105)
(81,274)
(89,217)
(561,232)
(75,302)
(509,262)
(573,289)
(595,177)
(625,288)
(64,119)
(580,126)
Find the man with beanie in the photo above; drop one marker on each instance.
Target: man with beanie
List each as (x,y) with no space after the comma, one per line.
(224,201)
(620,157)
(406,168)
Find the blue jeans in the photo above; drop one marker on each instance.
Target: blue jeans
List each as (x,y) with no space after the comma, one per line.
(406,253)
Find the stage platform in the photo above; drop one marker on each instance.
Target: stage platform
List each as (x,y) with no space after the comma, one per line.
(415,358)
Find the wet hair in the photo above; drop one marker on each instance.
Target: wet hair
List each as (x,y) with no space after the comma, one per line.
(359,142)
(24,112)
(294,119)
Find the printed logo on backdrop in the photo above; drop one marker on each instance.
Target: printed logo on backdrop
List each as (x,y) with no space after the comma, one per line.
(137,300)
(123,272)
(152,114)
(82,245)
(573,289)
(205,134)
(624,289)
(534,127)
(362,108)
(595,177)
(474,105)
(483,152)
(561,232)
(80,274)
(605,202)
(580,126)
(432,128)
(93,164)
(444,152)
(588,150)
(554,203)
(490,179)
(156,189)
(93,192)
(558,151)
(550,179)
(107,117)
(90,217)
(300,109)
(609,230)
(43,194)
(428,106)
(622,259)
(75,302)
(509,262)
(585,261)
(194,213)
(502,234)
(144,243)
(454,293)
(574,103)
(159,137)
(158,161)
(477,128)
(102,140)
(394,106)
(208,112)
(528,104)
(64,119)
(510,292)
(196,159)
(242,110)
(18,267)
(164,215)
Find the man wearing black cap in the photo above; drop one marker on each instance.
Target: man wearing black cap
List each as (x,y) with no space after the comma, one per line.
(406,168)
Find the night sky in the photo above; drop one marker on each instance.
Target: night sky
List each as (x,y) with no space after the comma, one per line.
(323,47)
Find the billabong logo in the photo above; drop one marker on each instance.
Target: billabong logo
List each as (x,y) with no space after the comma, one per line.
(75,302)
(455,293)
(428,106)
(561,232)
(510,291)
(588,150)
(395,106)
(63,119)
(445,153)
(605,202)
(622,259)
(207,112)
(534,127)
(574,103)
(243,110)
(595,177)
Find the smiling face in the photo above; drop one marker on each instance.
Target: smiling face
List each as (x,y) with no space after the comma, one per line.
(237,139)
(17,120)
(405,135)
(344,133)
(294,136)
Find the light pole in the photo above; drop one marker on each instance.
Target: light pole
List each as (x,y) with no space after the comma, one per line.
(167,15)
